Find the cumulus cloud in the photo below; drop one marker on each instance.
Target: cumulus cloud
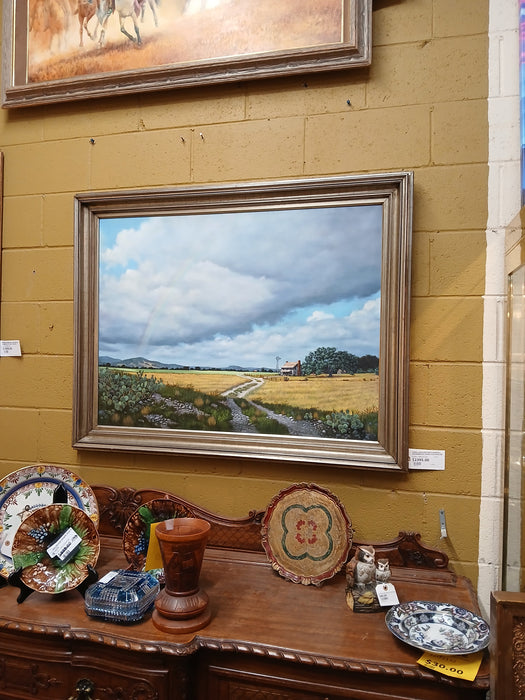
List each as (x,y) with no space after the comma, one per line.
(319,316)
(240,288)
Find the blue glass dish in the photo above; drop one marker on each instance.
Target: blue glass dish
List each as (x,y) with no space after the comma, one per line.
(122,596)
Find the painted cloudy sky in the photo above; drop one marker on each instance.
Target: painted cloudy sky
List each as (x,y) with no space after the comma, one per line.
(241,288)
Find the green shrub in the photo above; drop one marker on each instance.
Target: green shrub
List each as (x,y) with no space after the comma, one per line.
(123,395)
(347,424)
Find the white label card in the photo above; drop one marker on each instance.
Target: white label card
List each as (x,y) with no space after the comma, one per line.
(386,594)
(65,545)
(426,459)
(10,348)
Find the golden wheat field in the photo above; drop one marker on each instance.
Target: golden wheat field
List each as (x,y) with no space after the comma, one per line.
(207,382)
(225,29)
(336,393)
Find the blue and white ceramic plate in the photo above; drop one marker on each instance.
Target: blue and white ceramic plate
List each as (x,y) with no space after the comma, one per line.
(440,628)
(33,487)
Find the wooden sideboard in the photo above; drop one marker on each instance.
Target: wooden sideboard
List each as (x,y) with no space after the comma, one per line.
(268,638)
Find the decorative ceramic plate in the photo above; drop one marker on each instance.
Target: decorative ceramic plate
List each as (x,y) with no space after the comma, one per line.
(306,534)
(137,531)
(23,491)
(54,546)
(438,627)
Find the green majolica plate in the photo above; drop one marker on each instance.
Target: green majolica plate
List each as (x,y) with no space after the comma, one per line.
(136,535)
(35,548)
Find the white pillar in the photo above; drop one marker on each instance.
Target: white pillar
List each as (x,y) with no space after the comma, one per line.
(504,201)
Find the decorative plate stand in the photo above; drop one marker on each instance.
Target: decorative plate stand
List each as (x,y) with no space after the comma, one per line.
(306,534)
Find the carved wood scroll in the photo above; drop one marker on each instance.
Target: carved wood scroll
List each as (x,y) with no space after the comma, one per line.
(518,656)
(244,534)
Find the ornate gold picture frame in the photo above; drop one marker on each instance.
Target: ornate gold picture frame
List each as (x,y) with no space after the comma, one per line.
(78,49)
(299,289)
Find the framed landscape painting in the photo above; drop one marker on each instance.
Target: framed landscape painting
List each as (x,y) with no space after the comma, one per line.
(56,50)
(262,320)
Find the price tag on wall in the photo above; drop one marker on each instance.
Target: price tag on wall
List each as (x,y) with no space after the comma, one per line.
(426,459)
(462,666)
(10,348)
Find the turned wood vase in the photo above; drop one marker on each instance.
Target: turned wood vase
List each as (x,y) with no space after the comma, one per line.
(182,606)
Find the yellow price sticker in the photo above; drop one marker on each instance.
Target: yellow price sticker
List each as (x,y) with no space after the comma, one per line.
(465,666)
(153,556)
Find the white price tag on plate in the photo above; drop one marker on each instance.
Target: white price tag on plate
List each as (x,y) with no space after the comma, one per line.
(65,545)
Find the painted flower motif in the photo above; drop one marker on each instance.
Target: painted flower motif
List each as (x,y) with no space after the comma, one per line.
(307,532)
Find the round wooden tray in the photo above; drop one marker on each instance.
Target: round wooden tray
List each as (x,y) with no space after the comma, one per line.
(306,534)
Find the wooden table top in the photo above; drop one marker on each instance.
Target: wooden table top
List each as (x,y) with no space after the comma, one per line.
(254,610)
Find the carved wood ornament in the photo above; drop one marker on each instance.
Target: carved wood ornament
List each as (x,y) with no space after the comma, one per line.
(117,505)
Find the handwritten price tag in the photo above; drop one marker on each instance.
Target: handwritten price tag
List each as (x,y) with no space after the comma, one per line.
(386,594)
(464,666)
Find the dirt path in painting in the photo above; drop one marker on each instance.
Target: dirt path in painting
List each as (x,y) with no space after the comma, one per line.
(302,428)
(243,390)
(241,423)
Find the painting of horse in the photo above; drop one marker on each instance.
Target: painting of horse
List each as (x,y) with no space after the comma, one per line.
(127,36)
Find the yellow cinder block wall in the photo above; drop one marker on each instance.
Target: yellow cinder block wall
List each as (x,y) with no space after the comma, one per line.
(421,106)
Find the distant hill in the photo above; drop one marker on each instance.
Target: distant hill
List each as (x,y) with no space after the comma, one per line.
(106,360)
(144,363)
(135,363)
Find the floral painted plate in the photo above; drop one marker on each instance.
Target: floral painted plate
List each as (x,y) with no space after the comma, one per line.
(306,534)
(22,491)
(137,531)
(438,627)
(54,546)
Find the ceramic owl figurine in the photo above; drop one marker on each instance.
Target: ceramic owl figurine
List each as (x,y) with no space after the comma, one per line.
(361,569)
(382,570)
